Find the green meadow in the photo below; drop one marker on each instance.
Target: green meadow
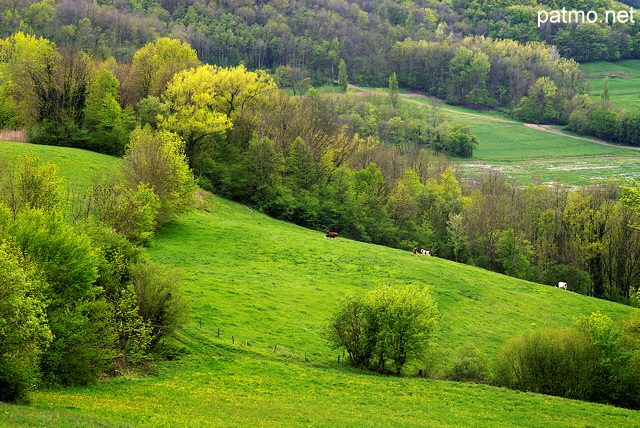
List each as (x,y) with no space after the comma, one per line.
(624,81)
(529,155)
(268,287)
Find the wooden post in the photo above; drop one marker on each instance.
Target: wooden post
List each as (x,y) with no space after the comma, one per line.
(274,348)
(218,332)
(232,339)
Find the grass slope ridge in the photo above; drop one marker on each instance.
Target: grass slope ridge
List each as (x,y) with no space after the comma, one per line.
(76,167)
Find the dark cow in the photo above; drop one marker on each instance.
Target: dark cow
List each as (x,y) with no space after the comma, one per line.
(414,252)
(331,235)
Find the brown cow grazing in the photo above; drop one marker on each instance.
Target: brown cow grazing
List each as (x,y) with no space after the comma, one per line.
(331,235)
(414,252)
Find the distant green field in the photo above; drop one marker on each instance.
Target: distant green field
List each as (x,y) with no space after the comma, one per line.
(624,81)
(529,155)
(571,172)
(77,167)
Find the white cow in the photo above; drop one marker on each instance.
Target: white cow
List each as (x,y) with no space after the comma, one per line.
(425,252)
(562,285)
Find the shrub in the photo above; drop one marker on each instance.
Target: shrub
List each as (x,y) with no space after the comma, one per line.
(549,361)
(469,364)
(616,378)
(160,303)
(157,160)
(388,328)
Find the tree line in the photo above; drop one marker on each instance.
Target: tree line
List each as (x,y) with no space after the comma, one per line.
(312,35)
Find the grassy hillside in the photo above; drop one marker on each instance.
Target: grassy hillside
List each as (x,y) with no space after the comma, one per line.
(274,283)
(266,283)
(624,78)
(77,167)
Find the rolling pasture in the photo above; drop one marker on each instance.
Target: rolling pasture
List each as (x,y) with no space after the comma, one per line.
(269,287)
(526,154)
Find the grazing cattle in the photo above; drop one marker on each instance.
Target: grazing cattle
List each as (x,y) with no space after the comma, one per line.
(562,285)
(331,235)
(425,252)
(414,251)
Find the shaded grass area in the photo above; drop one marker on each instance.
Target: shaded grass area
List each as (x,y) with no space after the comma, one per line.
(77,167)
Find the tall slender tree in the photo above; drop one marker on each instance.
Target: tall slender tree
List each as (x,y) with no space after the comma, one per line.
(343,78)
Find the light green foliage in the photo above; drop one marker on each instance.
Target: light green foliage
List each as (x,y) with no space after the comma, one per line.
(456,228)
(80,322)
(156,159)
(24,333)
(390,327)
(135,337)
(32,185)
(23,56)
(66,259)
(631,197)
(616,378)
(102,107)
(405,323)
(539,104)
(156,63)
(203,101)
(130,211)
